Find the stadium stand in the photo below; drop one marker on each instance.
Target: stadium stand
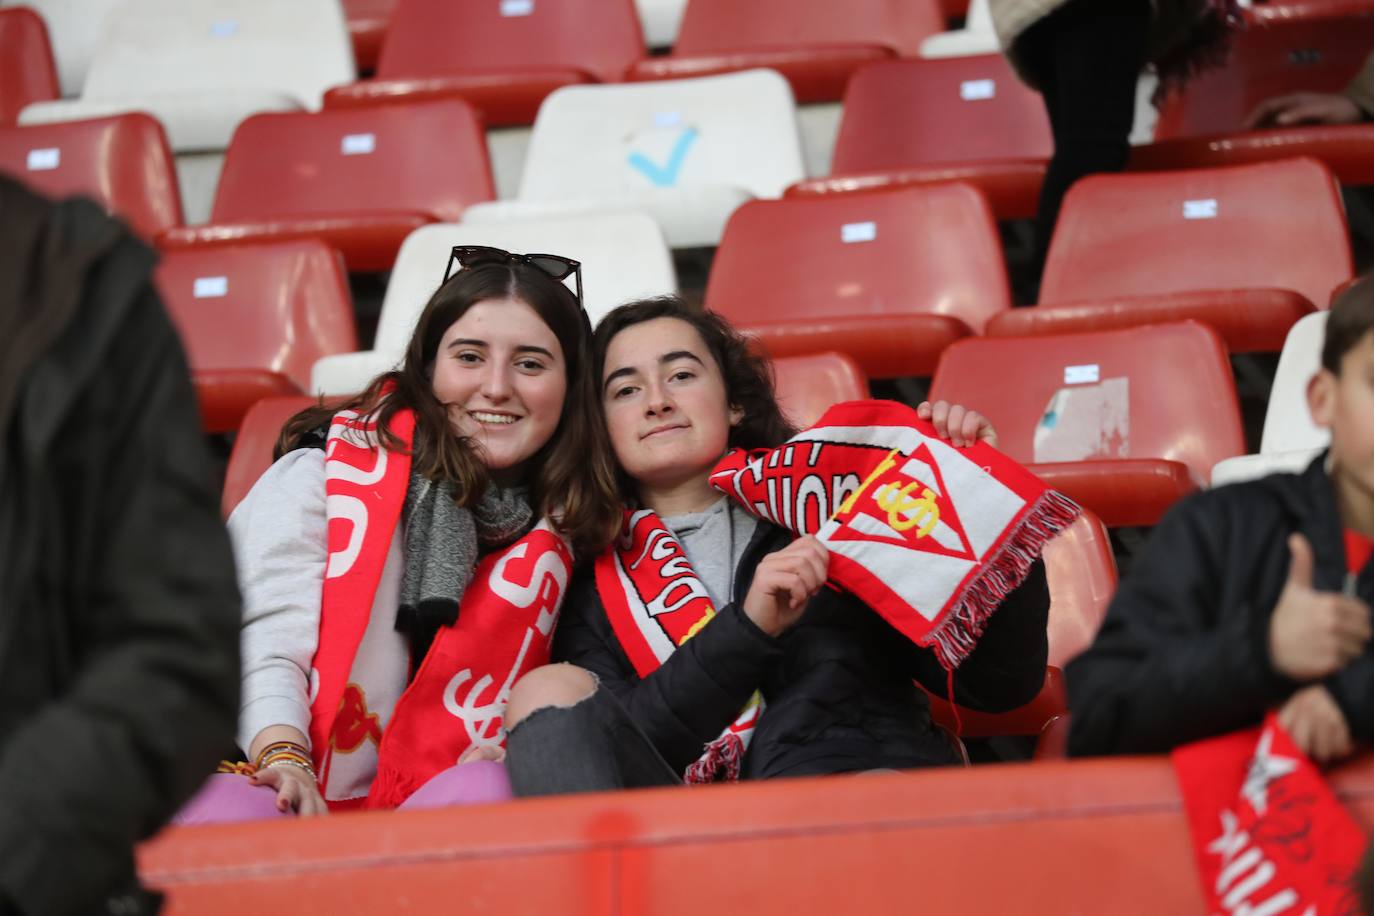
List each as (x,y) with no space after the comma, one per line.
(361,179)
(1249,249)
(74,29)
(1290,439)
(254,318)
(962,119)
(688,152)
(623,257)
(816,44)
(661,20)
(503,57)
(27,71)
(1123,421)
(976,36)
(122,162)
(889,277)
(368,21)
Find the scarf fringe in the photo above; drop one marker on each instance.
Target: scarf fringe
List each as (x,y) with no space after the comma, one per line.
(719,763)
(959,632)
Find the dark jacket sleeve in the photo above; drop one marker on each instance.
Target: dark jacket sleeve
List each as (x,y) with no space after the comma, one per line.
(1353,690)
(1007,667)
(690,699)
(150,701)
(1172,664)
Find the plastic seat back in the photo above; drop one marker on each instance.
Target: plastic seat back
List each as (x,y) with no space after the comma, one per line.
(808,386)
(1159,392)
(275,307)
(737,130)
(1270,225)
(122,162)
(1304,47)
(27,71)
(427,37)
(1082,578)
(253,444)
(216,47)
(724,25)
(959,109)
(368,21)
(425,157)
(75,28)
(1288,422)
(926,250)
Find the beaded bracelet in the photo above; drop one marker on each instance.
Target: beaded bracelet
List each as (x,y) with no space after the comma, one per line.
(269,759)
(288,762)
(280,746)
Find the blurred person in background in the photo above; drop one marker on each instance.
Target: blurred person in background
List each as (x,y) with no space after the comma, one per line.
(1085,57)
(118,608)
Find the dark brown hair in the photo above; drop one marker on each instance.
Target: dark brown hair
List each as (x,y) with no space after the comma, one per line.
(748,377)
(573,475)
(1351,318)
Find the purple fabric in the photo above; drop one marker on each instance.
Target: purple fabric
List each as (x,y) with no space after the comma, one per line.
(476,783)
(227,798)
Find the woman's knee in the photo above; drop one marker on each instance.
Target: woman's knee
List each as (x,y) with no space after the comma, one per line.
(551,685)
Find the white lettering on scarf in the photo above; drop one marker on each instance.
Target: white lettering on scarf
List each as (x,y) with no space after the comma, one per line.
(1239,858)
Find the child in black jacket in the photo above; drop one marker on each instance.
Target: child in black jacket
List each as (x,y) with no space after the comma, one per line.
(1255,595)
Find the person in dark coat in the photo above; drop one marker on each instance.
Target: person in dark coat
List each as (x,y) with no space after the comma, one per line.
(678,386)
(1254,595)
(118,608)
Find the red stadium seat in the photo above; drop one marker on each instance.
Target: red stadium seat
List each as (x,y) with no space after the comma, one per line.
(254,318)
(1123,421)
(956,118)
(816,44)
(1248,249)
(889,277)
(361,179)
(367,24)
(27,71)
(502,56)
(253,443)
(122,162)
(1298,47)
(1346,149)
(808,386)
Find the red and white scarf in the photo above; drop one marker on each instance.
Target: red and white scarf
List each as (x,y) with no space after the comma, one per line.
(930,536)
(458,695)
(655,603)
(1269,835)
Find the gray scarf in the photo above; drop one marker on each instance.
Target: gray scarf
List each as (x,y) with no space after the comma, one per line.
(443,544)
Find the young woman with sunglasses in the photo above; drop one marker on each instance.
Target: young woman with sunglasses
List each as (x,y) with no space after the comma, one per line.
(404,560)
(679,387)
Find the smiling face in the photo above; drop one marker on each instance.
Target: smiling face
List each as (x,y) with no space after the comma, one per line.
(501,374)
(666,406)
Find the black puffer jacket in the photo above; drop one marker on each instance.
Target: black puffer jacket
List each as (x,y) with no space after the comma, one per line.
(1184,651)
(119,614)
(838,684)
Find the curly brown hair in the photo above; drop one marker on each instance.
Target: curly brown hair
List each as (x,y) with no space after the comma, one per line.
(748,376)
(573,483)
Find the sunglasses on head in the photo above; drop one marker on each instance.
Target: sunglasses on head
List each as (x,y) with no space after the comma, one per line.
(556,266)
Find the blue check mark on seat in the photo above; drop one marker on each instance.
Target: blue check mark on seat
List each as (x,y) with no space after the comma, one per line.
(666,175)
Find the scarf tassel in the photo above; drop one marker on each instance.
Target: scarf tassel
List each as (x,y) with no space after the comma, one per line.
(960,631)
(720,763)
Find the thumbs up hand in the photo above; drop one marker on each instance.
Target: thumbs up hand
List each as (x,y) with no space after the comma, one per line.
(1311,633)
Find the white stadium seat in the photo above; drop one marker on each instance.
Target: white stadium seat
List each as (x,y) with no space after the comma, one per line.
(687,152)
(623,257)
(660,20)
(976,37)
(202,66)
(1290,439)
